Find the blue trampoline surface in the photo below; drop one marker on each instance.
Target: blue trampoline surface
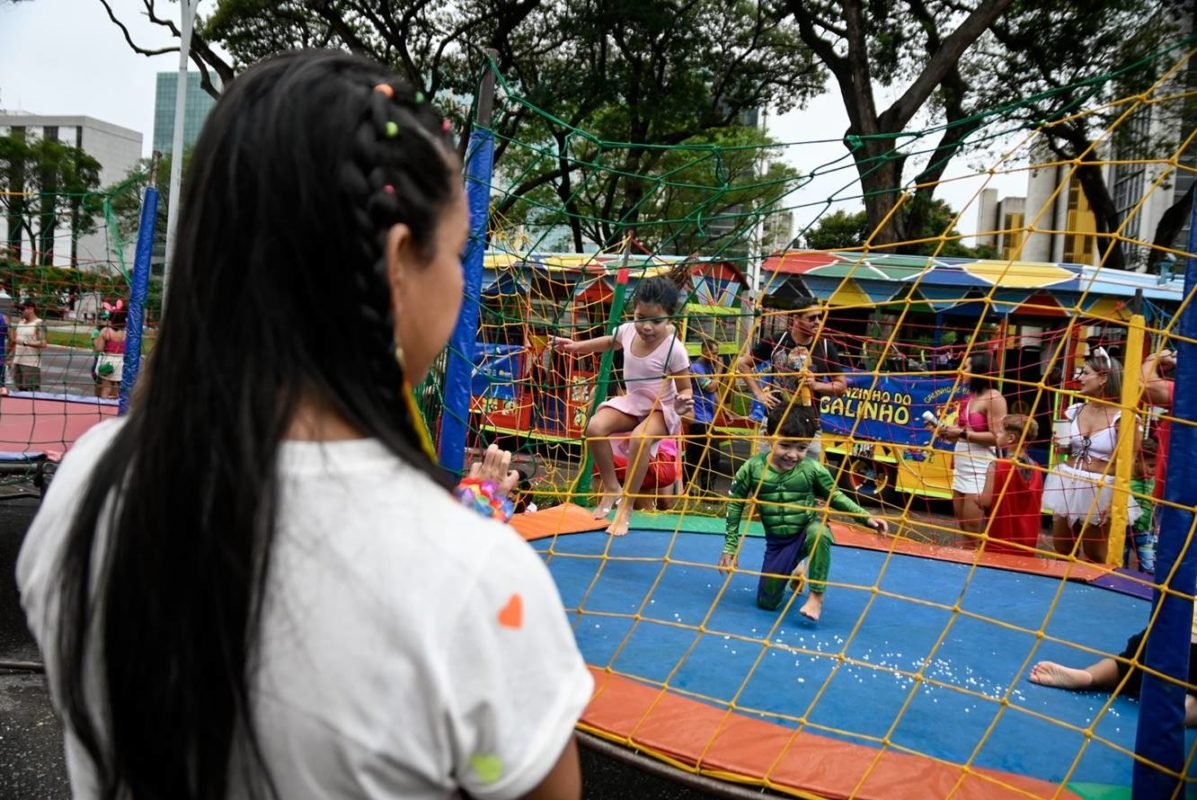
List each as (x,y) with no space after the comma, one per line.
(894,636)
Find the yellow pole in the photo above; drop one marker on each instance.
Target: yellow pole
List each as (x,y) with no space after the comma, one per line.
(1125,461)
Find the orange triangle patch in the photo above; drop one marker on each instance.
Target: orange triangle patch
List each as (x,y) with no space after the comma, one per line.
(512,614)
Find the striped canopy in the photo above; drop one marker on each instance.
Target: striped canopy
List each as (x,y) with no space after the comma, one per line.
(942,283)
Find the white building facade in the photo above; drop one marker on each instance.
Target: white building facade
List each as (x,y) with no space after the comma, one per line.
(117,149)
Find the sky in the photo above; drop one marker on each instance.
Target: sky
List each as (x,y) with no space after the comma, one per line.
(66,57)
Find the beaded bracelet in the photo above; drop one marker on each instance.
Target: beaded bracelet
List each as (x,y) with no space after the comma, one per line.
(482,496)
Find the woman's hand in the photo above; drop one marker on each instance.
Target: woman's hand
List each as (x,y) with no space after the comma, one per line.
(563,343)
(683,404)
(727,562)
(878,524)
(495,466)
(950,433)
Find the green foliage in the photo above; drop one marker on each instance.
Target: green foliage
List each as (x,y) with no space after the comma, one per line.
(702,195)
(45,285)
(43,182)
(838,230)
(646,72)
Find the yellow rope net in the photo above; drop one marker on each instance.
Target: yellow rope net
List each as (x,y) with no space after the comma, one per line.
(924,675)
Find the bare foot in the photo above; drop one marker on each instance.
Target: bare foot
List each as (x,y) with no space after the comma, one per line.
(812,609)
(618,528)
(606,503)
(1049,673)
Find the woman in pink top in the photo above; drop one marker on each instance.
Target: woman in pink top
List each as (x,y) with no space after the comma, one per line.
(656,370)
(975,434)
(110,346)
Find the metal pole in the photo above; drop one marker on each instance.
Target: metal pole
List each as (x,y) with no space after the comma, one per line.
(138,290)
(460,363)
(1160,738)
(1124,464)
(187,9)
(606,364)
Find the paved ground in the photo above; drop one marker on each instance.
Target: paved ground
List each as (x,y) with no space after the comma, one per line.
(31,761)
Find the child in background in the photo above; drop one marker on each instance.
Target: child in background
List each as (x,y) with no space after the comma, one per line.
(784,485)
(1013,490)
(1141,534)
(656,369)
(703,456)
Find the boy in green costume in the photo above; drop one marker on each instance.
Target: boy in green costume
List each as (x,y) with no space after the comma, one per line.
(785,485)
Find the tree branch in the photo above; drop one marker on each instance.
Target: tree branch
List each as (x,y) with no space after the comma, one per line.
(948,56)
(129,38)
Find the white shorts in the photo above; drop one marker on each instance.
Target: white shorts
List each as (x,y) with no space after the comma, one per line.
(970,464)
(1082,496)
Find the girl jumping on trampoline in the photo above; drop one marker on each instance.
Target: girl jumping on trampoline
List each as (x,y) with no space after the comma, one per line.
(656,369)
(259,583)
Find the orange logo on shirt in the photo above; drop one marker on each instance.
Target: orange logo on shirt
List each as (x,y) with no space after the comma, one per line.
(512,614)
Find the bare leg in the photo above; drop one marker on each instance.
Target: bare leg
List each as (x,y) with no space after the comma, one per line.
(969,516)
(1102,675)
(1095,541)
(604,423)
(639,455)
(1063,538)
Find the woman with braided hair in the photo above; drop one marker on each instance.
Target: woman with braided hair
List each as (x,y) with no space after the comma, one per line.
(240,588)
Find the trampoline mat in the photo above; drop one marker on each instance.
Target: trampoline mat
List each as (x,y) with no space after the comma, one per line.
(781,667)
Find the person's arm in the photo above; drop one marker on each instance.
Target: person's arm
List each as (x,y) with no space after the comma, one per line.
(97,343)
(683,404)
(1156,390)
(746,371)
(564,781)
(832,382)
(741,484)
(825,488)
(41,339)
(600,344)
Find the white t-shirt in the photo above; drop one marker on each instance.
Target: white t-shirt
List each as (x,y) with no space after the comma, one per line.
(409,646)
(25,333)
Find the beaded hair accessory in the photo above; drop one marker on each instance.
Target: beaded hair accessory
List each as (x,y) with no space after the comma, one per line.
(483,496)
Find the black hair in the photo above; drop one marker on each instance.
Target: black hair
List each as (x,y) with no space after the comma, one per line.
(793,421)
(980,365)
(303,166)
(804,302)
(659,291)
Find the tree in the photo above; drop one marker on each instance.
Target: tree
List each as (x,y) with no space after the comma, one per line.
(959,61)
(42,183)
(704,195)
(921,42)
(1100,52)
(126,205)
(838,230)
(645,72)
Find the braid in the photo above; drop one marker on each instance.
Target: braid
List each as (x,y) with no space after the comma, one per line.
(390,178)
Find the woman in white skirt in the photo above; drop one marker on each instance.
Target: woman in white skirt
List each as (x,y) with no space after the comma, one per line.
(1079,491)
(978,423)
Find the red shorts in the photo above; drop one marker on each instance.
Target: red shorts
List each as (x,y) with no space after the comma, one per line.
(661,473)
